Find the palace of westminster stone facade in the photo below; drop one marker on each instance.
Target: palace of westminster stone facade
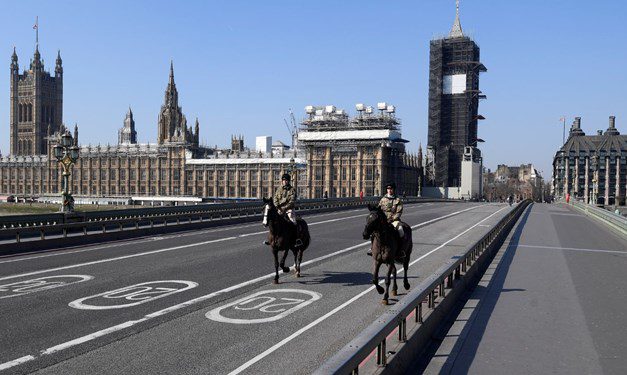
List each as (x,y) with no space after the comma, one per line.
(335,154)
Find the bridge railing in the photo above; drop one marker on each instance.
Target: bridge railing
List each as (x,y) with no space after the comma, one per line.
(43,226)
(421,303)
(615,221)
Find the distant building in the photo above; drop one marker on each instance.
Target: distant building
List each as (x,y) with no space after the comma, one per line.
(263,144)
(592,167)
(278,147)
(522,182)
(346,156)
(454,94)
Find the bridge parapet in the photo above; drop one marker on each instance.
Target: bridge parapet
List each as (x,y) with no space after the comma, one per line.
(429,303)
(616,222)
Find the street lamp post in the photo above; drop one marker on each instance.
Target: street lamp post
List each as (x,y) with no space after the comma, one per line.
(66,154)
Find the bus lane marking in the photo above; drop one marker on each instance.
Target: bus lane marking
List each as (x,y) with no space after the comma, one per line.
(271,308)
(132,295)
(21,288)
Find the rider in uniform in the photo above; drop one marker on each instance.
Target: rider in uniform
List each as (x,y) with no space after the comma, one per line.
(285,199)
(393,209)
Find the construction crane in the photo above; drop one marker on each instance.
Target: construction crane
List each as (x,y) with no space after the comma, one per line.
(291,127)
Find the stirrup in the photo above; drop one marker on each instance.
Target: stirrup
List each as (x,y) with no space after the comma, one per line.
(298,243)
(266,242)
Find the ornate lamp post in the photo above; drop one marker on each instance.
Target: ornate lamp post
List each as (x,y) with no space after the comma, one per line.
(66,154)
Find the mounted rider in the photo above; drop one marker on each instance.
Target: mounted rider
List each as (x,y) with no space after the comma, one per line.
(285,198)
(392,206)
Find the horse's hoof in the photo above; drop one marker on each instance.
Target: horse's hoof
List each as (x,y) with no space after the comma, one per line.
(380,289)
(406,285)
(275,281)
(297,274)
(384,302)
(394,293)
(286,269)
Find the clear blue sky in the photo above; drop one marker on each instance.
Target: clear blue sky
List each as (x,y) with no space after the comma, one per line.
(240,65)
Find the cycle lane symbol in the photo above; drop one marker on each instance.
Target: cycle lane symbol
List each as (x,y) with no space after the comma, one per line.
(265,306)
(132,295)
(21,288)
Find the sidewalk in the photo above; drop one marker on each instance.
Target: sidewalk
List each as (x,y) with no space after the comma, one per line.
(553,301)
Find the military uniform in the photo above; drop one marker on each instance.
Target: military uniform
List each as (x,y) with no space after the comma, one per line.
(393,209)
(285,200)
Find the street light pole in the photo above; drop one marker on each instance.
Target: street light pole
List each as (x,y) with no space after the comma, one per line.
(66,155)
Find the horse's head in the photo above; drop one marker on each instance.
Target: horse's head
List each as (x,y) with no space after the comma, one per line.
(375,220)
(270,212)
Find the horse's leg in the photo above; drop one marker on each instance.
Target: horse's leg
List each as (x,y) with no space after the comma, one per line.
(375,276)
(298,260)
(285,269)
(387,284)
(275,252)
(405,281)
(394,287)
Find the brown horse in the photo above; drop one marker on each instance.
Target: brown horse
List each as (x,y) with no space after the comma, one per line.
(282,237)
(387,247)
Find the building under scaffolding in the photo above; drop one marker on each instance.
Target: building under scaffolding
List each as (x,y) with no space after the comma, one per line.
(454,95)
(347,156)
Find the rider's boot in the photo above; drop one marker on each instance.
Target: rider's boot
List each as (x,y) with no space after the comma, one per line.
(266,242)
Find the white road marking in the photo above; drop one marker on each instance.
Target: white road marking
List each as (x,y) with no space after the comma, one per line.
(155,238)
(179,306)
(136,294)
(267,304)
(575,249)
(15,362)
(116,258)
(192,245)
(340,307)
(21,288)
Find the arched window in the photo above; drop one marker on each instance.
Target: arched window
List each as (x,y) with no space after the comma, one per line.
(30,112)
(19,113)
(29,147)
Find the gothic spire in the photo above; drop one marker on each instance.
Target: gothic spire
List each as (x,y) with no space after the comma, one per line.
(36,64)
(171,95)
(456,31)
(59,64)
(75,134)
(14,65)
(171,73)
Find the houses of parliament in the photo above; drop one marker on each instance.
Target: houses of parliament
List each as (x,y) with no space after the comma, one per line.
(354,155)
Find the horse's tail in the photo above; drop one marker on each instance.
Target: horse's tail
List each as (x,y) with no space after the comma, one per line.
(304,234)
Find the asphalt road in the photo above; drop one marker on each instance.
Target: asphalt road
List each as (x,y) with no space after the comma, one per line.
(202,302)
(554,301)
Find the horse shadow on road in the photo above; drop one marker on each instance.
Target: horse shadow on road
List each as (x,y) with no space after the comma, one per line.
(344,278)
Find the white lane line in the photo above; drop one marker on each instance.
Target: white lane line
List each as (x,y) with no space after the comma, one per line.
(114,259)
(15,362)
(156,238)
(575,249)
(340,307)
(179,306)
(187,246)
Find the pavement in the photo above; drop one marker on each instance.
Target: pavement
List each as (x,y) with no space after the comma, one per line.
(553,301)
(202,302)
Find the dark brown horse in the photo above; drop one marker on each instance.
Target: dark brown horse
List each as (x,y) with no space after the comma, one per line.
(282,237)
(387,247)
